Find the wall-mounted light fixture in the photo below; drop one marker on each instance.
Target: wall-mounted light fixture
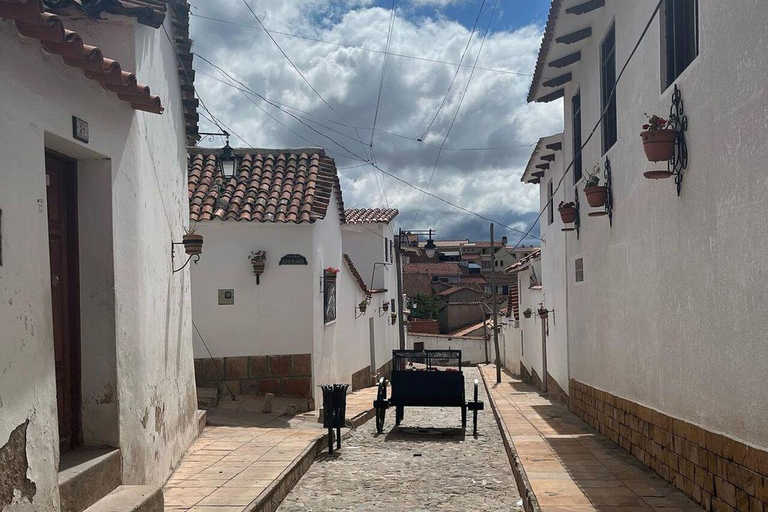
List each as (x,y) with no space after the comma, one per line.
(227,161)
(193,246)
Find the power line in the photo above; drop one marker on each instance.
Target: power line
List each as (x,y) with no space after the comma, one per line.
(458,68)
(599,120)
(363,48)
(355,155)
(458,108)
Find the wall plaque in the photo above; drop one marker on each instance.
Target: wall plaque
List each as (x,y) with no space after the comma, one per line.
(293,259)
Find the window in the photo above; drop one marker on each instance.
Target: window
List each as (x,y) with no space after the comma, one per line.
(608,81)
(386,249)
(486,263)
(505,290)
(579,267)
(550,206)
(681,34)
(576,141)
(391,251)
(329,297)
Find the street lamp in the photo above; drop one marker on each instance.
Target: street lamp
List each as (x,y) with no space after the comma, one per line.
(227,161)
(429,247)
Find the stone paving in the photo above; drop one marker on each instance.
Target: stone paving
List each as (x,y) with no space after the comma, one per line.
(237,464)
(570,466)
(425,464)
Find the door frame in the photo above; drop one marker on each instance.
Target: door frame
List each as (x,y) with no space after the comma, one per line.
(73,273)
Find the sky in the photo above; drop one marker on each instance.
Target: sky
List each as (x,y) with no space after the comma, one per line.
(330,99)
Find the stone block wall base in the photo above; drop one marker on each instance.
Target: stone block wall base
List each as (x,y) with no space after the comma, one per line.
(280,374)
(385,370)
(717,472)
(361,378)
(555,392)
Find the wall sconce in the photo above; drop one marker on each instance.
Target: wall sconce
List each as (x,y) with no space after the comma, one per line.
(193,246)
(363,306)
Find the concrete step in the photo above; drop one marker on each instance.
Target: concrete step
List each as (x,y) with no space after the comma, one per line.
(207,398)
(202,416)
(131,498)
(86,475)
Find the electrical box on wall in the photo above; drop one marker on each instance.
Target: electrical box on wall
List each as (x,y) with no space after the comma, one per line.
(226,297)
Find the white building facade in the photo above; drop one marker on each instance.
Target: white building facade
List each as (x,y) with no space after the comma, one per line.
(96,336)
(664,309)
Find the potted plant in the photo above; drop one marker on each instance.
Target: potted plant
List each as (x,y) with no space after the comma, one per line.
(542,311)
(527,313)
(330,273)
(193,243)
(363,306)
(258,260)
(596,194)
(658,138)
(393,317)
(567,211)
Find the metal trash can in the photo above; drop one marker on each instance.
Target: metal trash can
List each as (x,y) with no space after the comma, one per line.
(334,411)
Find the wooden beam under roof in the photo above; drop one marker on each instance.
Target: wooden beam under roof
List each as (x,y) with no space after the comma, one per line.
(552,96)
(543,167)
(566,61)
(558,81)
(538,174)
(555,146)
(586,7)
(548,158)
(575,37)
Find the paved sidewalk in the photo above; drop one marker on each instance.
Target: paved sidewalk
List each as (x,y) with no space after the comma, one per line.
(428,463)
(569,466)
(250,464)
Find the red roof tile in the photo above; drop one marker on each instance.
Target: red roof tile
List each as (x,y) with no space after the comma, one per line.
(454,289)
(522,263)
(356,275)
(546,42)
(418,284)
(271,186)
(32,21)
(370,215)
(433,269)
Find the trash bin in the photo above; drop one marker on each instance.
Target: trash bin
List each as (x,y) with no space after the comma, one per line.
(334,411)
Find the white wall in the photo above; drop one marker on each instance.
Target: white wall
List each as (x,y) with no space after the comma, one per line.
(273,317)
(672,312)
(472,348)
(143,182)
(523,342)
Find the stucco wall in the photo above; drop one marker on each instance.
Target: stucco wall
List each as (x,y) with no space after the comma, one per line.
(137,163)
(472,348)
(672,312)
(523,341)
(273,317)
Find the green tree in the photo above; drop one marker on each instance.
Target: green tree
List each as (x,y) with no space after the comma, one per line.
(425,306)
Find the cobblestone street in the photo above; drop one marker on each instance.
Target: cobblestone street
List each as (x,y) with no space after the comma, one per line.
(425,464)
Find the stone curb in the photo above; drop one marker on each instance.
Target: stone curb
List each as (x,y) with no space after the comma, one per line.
(273,495)
(530,503)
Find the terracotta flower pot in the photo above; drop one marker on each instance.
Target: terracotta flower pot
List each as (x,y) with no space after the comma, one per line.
(258,267)
(527,313)
(567,214)
(596,196)
(193,244)
(659,145)
(543,313)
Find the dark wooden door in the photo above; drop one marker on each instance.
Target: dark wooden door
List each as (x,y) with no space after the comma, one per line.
(62,235)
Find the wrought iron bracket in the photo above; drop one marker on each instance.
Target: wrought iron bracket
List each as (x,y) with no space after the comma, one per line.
(577,220)
(196,256)
(679,122)
(608,207)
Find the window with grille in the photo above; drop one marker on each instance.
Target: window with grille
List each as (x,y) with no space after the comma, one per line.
(579,269)
(550,206)
(608,81)
(681,36)
(576,140)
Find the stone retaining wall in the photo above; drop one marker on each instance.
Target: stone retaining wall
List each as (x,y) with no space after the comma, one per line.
(283,375)
(719,473)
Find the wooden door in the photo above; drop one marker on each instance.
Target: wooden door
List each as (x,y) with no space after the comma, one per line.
(62,236)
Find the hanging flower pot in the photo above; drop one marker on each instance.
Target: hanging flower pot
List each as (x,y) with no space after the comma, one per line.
(542,312)
(596,196)
(527,313)
(567,212)
(193,243)
(330,273)
(258,262)
(363,306)
(393,317)
(658,139)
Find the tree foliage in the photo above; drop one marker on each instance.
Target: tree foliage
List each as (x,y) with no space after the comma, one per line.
(425,306)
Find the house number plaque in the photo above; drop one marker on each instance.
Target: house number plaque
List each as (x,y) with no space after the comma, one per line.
(293,259)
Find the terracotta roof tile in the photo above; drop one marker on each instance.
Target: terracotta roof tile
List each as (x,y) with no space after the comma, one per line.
(546,42)
(417,284)
(522,263)
(271,186)
(433,269)
(370,215)
(32,21)
(454,289)
(356,274)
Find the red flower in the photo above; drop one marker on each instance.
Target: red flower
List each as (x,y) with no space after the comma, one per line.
(645,126)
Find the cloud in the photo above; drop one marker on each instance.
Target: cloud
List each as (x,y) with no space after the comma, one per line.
(494,112)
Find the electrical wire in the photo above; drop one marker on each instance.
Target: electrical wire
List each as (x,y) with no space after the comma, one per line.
(458,68)
(458,108)
(363,48)
(597,124)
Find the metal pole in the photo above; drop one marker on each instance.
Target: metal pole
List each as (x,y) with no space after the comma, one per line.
(399,270)
(495,310)
(485,333)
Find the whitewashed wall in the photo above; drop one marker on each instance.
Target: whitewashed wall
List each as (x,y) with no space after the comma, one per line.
(273,317)
(523,341)
(472,348)
(672,312)
(133,203)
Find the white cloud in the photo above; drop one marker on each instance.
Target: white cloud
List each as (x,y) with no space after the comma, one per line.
(493,114)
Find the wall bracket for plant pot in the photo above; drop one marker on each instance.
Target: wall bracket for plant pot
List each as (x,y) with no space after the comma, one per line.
(608,206)
(678,122)
(193,246)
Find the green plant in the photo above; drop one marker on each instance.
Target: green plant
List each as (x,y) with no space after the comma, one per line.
(593,179)
(656,123)
(563,204)
(425,306)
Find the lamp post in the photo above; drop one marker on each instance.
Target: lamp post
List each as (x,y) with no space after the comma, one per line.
(429,250)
